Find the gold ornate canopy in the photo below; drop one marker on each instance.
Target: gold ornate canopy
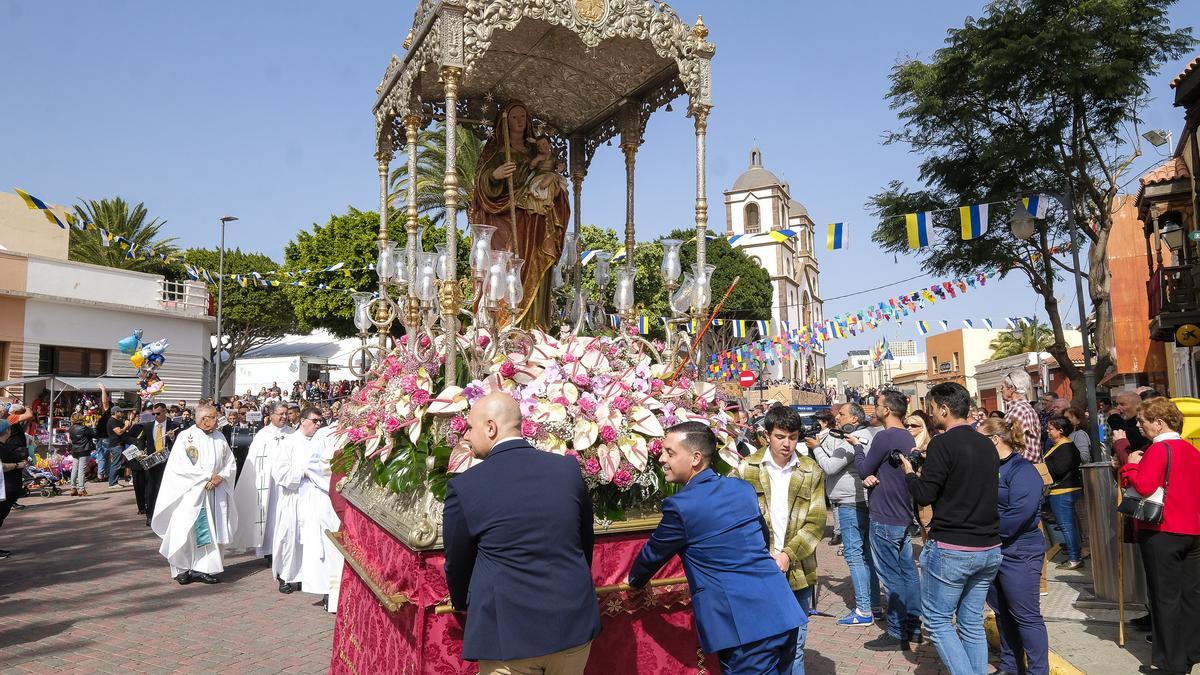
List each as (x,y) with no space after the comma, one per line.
(588,70)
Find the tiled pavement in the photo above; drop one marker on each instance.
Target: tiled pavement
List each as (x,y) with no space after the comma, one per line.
(86,591)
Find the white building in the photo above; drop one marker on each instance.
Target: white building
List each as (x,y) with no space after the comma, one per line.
(60,317)
(303,358)
(759,203)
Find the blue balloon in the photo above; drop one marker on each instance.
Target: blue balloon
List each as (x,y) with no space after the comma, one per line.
(156,360)
(130,344)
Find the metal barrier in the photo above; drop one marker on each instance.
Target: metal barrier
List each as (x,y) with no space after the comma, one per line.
(1113,562)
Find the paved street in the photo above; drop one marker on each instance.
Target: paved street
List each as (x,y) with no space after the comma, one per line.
(86,591)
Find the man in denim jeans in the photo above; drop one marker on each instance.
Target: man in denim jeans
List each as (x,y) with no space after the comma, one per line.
(961,480)
(891,514)
(849,499)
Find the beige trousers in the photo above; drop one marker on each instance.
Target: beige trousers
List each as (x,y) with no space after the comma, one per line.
(566,662)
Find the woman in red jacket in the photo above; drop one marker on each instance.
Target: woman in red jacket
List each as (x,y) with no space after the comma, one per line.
(1170,549)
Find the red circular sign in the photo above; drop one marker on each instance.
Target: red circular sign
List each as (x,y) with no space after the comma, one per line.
(746,378)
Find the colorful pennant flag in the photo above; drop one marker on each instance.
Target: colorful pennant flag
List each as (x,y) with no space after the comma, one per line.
(968,323)
(988,323)
(919,225)
(1036,205)
(838,237)
(923,327)
(974,220)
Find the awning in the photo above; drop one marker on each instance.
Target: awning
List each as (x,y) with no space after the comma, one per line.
(76,383)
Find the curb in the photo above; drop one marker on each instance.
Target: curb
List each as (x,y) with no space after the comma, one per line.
(1058,665)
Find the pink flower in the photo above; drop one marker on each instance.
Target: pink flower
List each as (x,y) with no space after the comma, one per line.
(483,341)
(561,400)
(701,405)
(592,467)
(424,341)
(568,358)
(621,403)
(581,380)
(507,369)
(372,420)
(622,479)
(587,404)
(420,397)
(608,434)
(572,453)
(655,447)
(408,384)
(356,435)
(656,384)
(530,429)
(391,424)
(685,382)
(458,424)
(403,339)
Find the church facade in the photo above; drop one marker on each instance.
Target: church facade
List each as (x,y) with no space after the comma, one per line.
(757,204)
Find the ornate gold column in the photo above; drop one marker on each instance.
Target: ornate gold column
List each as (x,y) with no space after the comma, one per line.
(576,153)
(450,78)
(383,155)
(411,122)
(700,113)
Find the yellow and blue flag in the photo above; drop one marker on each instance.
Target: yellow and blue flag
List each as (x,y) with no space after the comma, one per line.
(918,225)
(1036,205)
(838,237)
(739,328)
(923,327)
(974,220)
(764,327)
(781,235)
(643,324)
(31,201)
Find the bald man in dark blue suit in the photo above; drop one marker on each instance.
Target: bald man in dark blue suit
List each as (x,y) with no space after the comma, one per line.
(745,612)
(518,535)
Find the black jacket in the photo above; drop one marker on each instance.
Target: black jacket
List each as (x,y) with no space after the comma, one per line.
(1063,464)
(81,440)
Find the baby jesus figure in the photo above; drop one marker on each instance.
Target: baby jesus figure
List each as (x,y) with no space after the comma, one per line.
(545,179)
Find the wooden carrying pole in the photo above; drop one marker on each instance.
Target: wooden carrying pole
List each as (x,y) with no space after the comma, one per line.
(1120,573)
(700,336)
(600,590)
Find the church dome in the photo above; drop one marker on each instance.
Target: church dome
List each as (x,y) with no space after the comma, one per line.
(756,176)
(795,208)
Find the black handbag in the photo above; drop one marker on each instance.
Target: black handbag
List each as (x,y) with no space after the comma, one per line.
(1147,509)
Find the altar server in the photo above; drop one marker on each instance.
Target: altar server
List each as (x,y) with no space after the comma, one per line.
(745,612)
(287,469)
(518,535)
(321,562)
(256,493)
(194,512)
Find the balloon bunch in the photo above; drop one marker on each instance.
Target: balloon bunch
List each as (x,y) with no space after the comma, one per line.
(147,358)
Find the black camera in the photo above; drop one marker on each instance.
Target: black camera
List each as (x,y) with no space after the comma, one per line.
(842,431)
(915,459)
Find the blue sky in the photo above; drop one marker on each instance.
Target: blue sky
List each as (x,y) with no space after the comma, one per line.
(263,110)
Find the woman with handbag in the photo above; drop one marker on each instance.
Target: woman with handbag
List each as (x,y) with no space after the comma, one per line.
(1062,460)
(1168,475)
(1024,645)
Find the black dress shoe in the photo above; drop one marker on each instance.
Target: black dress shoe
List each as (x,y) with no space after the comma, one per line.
(4,554)
(184,578)
(286,588)
(205,578)
(1141,623)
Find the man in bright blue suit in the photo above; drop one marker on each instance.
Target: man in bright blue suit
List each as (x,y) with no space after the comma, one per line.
(518,535)
(745,612)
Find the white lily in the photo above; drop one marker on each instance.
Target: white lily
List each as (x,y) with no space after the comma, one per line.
(633,447)
(450,401)
(586,433)
(645,422)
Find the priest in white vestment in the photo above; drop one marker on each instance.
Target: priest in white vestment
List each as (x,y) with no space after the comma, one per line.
(287,469)
(256,493)
(321,562)
(194,511)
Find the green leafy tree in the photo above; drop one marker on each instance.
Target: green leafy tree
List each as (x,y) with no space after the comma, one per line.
(1035,95)
(120,219)
(431,169)
(351,239)
(252,315)
(1034,337)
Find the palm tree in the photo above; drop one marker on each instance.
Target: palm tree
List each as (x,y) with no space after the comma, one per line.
(119,219)
(1030,337)
(431,167)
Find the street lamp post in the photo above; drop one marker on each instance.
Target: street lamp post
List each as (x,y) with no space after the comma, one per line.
(1022,227)
(220,308)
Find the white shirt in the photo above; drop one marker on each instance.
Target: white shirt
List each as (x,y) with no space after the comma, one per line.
(778,507)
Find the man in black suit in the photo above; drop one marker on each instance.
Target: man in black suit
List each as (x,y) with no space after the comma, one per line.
(160,436)
(518,535)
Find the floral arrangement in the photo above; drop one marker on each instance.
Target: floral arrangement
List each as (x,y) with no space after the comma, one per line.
(600,400)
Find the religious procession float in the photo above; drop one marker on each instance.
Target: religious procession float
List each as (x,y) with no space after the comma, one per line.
(537,81)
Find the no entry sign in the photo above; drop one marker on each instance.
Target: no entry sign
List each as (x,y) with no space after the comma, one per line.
(746,378)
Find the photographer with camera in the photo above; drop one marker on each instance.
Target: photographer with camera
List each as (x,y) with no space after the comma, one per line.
(891,514)
(961,479)
(846,493)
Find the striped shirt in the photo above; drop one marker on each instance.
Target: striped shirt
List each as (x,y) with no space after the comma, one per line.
(1024,413)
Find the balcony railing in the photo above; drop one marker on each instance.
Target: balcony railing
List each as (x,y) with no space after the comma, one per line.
(1172,290)
(189,297)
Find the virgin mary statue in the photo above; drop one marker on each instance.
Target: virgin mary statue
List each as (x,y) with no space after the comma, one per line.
(529,212)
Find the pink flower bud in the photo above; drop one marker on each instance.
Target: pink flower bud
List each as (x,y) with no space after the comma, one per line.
(507,369)
(608,434)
